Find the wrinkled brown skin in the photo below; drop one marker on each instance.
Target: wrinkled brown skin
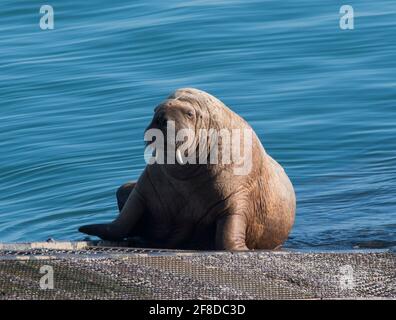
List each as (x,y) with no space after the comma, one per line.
(204,206)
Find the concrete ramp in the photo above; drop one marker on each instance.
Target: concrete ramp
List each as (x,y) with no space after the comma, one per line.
(104,270)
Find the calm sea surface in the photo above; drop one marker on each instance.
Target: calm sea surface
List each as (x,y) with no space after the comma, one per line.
(74,102)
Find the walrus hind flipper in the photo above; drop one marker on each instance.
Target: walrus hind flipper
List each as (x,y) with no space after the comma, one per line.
(103,231)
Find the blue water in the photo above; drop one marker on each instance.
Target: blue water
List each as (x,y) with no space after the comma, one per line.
(74,102)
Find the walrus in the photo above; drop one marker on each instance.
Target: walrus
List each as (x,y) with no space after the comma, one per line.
(206,206)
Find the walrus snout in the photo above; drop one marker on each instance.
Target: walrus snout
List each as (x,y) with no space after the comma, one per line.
(161,119)
(170,117)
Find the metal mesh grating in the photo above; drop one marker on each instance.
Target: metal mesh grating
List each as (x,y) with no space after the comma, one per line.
(92,272)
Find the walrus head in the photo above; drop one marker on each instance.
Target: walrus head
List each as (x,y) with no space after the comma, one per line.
(183,113)
(189,121)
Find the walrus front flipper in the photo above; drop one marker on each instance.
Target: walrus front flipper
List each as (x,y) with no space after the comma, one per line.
(124,225)
(231,233)
(103,231)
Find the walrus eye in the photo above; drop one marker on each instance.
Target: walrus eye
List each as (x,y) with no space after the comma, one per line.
(190,114)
